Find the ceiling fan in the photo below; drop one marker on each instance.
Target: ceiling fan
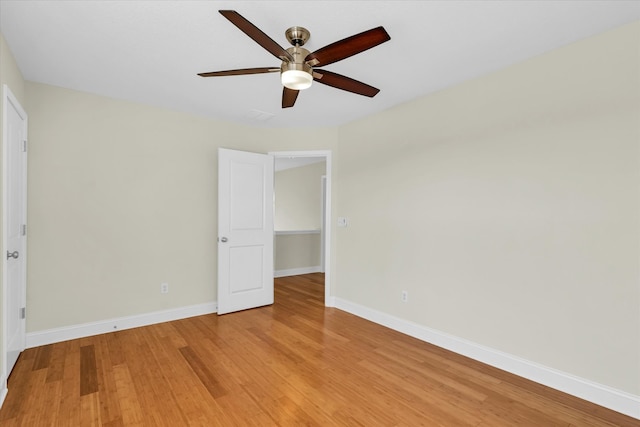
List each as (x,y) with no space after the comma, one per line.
(298,70)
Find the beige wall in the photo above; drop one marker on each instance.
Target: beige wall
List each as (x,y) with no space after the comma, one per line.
(298,195)
(298,203)
(294,251)
(508,207)
(123,197)
(12,77)
(9,72)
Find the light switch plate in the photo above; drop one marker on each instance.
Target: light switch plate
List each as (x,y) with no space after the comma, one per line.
(342,221)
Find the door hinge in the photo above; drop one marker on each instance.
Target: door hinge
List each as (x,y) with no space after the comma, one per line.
(24,145)
(24,229)
(23,313)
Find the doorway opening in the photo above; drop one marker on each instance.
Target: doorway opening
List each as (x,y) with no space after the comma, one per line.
(305,232)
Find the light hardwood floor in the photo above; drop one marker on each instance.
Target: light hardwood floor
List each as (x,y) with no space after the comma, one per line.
(294,363)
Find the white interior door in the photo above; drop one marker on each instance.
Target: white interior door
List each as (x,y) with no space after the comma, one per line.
(245,230)
(14,222)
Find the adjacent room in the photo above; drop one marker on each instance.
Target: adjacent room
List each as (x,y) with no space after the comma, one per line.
(320,213)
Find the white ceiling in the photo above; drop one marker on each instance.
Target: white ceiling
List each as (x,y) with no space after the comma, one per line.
(151,51)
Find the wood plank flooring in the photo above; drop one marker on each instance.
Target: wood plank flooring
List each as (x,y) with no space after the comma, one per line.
(294,363)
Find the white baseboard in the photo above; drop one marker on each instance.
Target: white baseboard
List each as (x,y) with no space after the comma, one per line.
(50,336)
(297,271)
(3,390)
(599,394)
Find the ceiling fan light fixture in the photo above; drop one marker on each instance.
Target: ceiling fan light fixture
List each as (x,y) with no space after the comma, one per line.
(297,69)
(296,79)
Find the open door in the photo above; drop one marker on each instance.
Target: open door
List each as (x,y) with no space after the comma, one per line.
(14,212)
(245,230)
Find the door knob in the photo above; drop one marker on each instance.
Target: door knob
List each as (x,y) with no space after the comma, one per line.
(223,239)
(13,254)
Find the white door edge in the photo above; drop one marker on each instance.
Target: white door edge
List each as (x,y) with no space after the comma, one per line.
(8,98)
(326,154)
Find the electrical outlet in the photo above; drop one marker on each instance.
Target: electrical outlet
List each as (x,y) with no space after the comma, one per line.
(164,288)
(404,296)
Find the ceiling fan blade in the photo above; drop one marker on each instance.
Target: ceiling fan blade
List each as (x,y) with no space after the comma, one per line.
(289,97)
(347,47)
(345,83)
(240,72)
(256,34)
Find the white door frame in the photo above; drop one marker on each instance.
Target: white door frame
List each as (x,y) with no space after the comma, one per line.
(10,101)
(326,227)
(323,215)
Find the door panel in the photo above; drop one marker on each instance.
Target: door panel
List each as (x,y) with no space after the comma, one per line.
(245,263)
(247,191)
(245,230)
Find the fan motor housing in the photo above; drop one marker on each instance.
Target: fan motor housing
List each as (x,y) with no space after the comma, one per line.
(296,74)
(298,53)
